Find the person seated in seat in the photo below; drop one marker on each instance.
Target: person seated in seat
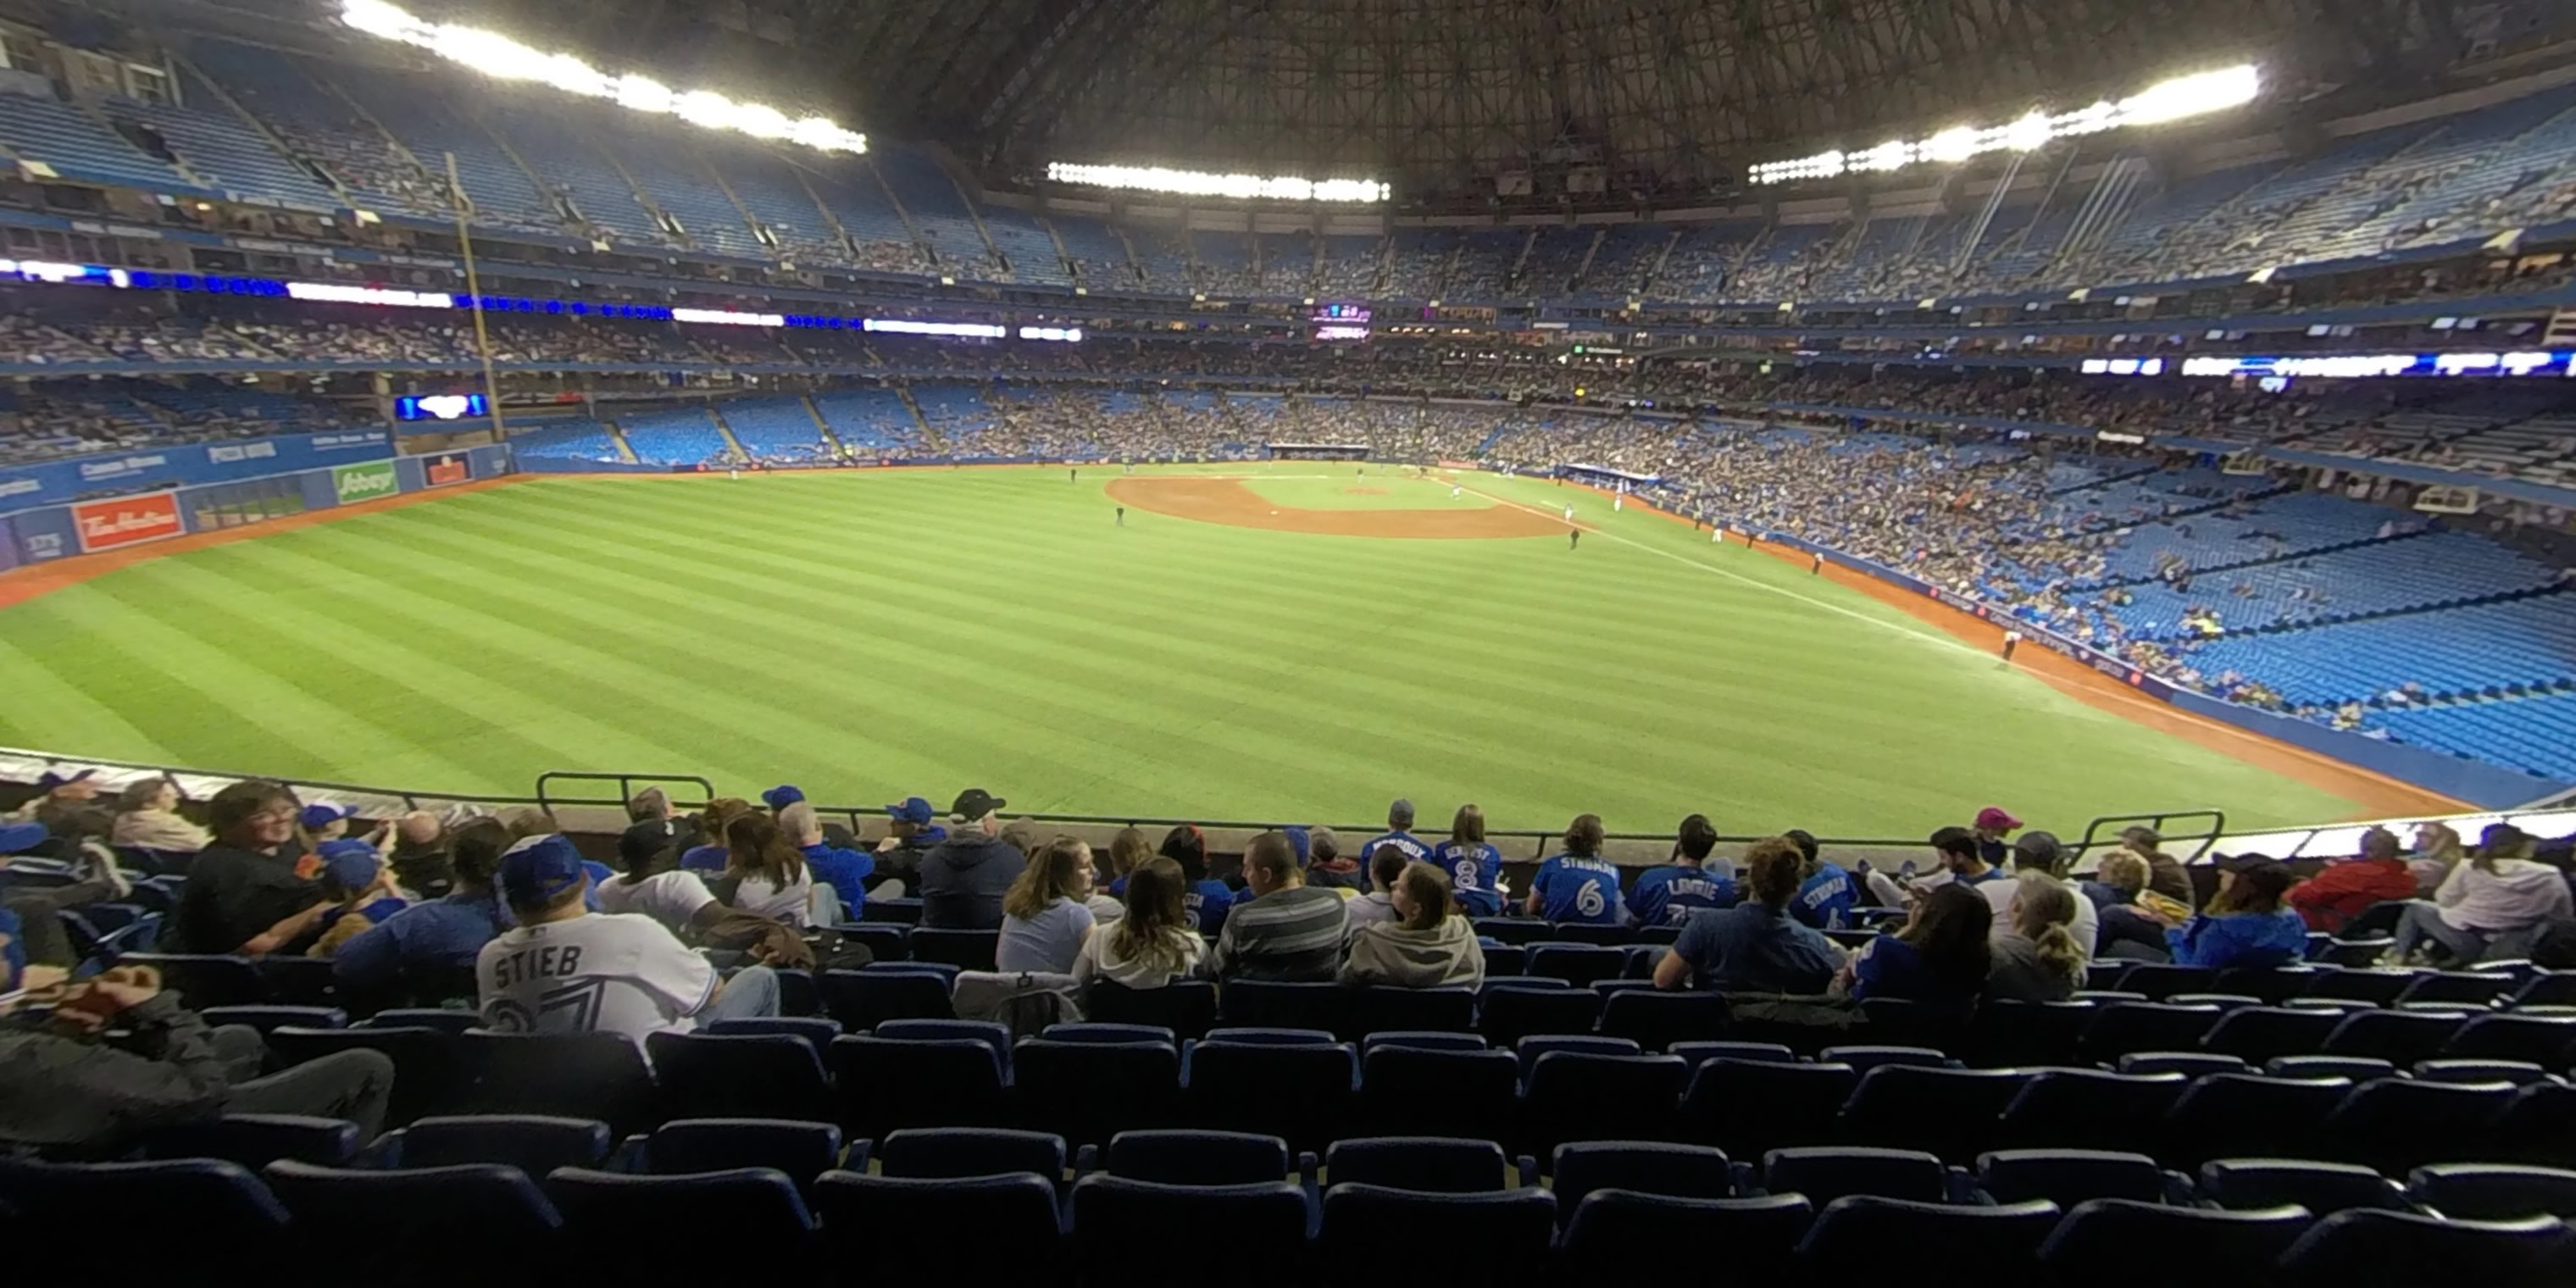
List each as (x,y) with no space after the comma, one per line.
(2500,891)
(2036,955)
(1208,901)
(2245,924)
(764,874)
(1289,931)
(1826,891)
(1670,895)
(1475,869)
(148,819)
(243,895)
(430,942)
(2132,918)
(420,858)
(1386,864)
(356,881)
(66,1086)
(1430,944)
(2039,852)
(2347,888)
(566,969)
(1128,851)
(1577,885)
(964,877)
(655,885)
(912,831)
(712,852)
(1755,946)
(1046,914)
(1940,956)
(846,871)
(1153,944)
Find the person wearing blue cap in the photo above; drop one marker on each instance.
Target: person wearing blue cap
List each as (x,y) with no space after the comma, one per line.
(40,907)
(62,1087)
(360,887)
(913,833)
(418,956)
(780,797)
(566,969)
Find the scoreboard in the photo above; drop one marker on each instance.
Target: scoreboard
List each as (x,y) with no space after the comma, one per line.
(1341,321)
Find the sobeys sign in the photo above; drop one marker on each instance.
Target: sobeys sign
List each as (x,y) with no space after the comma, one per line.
(364,482)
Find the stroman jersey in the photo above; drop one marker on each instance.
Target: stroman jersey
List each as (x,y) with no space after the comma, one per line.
(1572,889)
(1825,901)
(1668,896)
(1475,873)
(603,973)
(1204,905)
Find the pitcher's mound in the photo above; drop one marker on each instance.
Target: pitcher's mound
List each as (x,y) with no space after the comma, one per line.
(1230,502)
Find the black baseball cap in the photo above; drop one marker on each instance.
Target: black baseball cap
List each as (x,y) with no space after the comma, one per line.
(974,803)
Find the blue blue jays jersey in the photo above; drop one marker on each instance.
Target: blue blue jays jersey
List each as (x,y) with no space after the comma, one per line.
(1579,890)
(1825,901)
(1668,896)
(1475,874)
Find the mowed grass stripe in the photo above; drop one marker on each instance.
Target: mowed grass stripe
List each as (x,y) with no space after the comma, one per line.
(41,697)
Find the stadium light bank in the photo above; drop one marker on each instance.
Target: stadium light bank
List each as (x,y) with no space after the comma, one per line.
(1201,183)
(496,55)
(2174,100)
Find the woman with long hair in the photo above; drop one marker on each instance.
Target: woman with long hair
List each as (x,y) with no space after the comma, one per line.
(2499,891)
(2036,956)
(2437,851)
(1429,944)
(764,874)
(148,819)
(1044,915)
(1153,944)
(1941,956)
(2245,924)
(1578,885)
(2121,900)
(1475,869)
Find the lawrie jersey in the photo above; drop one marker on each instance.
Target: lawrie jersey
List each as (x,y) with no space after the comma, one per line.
(1475,873)
(1578,889)
(1668,896)
(609,972)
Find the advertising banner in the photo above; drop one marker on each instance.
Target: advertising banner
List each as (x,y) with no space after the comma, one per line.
(127,521)
(351,484)
(448,468)
(28,487)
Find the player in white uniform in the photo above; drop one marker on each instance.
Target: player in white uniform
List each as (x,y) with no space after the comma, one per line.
(565,969)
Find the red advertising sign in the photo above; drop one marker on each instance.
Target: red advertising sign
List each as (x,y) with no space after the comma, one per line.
(127,520)
(452,467)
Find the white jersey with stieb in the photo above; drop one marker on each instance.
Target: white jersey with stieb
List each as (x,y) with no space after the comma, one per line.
(602,973)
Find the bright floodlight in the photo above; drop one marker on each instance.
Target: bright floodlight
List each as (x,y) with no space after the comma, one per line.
(1198,183)
(2174,100)
(496,55)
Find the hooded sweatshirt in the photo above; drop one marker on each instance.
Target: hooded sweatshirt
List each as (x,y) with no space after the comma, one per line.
(963,879)
(2239,939)
(1444,956)
(2519,893)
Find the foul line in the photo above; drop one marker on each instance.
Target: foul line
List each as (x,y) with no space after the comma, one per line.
(1926,635)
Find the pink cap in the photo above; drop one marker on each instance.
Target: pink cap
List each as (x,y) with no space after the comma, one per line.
(1994,819)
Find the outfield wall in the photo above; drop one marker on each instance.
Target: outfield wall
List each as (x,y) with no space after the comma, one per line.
(248,488)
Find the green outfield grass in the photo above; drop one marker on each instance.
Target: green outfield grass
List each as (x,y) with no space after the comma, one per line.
(870,636)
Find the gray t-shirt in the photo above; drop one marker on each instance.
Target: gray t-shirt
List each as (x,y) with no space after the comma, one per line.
(1046,942)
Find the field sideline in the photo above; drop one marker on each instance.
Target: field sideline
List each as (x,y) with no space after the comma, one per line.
(874,635)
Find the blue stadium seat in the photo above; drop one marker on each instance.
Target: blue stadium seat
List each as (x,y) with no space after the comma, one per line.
(355,1214)
(864,999)
(1186,1007)
(802,1150)
(1826,1174)
(2478,989)
(1382,1010)
(1245,1035)
(1506,1015)
(890,1083)
(1948,1112)
(453,1023)
(2159,981)
(2548,1040)
(1695,1052)
(1270,1004)
(1258,1232)
(205,980)
(989,1033)
(570,1075)
(2229,1115)
(2399,1037)
(2537,1126)
(429,1066)
(1658,1021)
(218,1211)
(2520,1073)
(1566,1091)
(1090,1031)
(1371,1234)
(887,943)
(1646,1167)
(2259,1033)
(1197,1157)
(266,1018)
(759,1206)
(2122,1028)
(1504,959)
(1300,1093)
(1581,965)
(816,1031)
(2067,1177)
(1421,1040)
(2379,1247)
(1432,1164)
(1088,1092)
(1751,1107)
(2316,1185)
(532,1143)
(2097,1244)
(739,1075)
(256,1140)
(2375,986)
(1406,1090)
(2549,988)
(1619,1238)
(2190,1064)
(1529,1049)
(2493,1191)
(2006,1035)
(2395,1124)
(1863,1059)
(906,1231)
(2088,1109)
(1864,1236)
(950,1153)
(2355,1068)
(963,949)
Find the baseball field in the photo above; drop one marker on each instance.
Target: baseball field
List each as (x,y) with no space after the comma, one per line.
(1277,642)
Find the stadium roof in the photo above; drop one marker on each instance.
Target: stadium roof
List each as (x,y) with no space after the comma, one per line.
(1434,95)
